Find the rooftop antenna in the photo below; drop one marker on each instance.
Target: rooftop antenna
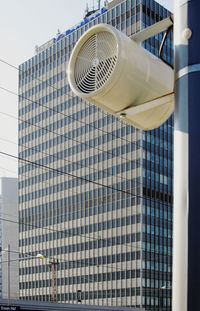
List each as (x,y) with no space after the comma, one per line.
(106,3)
(87,8)
(99,4)
(36,49)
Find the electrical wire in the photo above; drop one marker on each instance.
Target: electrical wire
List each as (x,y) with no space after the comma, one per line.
(70,213)
(63,114)
(31,225)
(137,161)
(62,172)
(103,265)
(29,256)
(65,173)
(160,53)
(59,258)
(43,81)
(81,142)
(73,140)
(77,141)
(72,175)
(87,278)
(68,137)
(60,159)
(67,116)
(74,212)
(41,259)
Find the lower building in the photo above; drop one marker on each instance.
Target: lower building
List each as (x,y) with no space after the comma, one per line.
(16,305)
(9,239)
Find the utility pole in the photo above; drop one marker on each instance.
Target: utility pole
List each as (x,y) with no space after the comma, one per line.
(53,267)
(8,274)
(186,243)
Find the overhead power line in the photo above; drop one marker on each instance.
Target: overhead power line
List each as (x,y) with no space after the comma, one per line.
(88,237)
(75,176)
(65,173)
(63,135)
(69,117)
(64,214)
(80,165)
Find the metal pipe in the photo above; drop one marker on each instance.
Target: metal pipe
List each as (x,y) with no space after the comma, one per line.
(186,254)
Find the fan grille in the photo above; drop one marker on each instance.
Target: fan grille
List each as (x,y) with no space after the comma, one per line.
(95,62)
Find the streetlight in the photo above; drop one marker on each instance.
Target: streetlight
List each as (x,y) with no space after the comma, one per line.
(39,256)
(7,249)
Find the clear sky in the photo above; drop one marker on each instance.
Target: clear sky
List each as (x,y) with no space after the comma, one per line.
(23,25)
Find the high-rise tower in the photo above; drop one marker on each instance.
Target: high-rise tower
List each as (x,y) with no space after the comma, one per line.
(94,194)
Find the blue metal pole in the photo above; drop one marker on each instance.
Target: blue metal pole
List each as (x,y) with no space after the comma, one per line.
(186,262)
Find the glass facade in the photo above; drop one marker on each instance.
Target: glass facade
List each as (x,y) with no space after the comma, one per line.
(94,193)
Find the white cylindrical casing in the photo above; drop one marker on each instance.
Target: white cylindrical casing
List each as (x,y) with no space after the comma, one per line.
(113,72)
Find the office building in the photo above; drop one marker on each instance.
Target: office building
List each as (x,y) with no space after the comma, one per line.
(9,237)
(95,194)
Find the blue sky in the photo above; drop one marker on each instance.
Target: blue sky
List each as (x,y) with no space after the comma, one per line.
(23,25)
